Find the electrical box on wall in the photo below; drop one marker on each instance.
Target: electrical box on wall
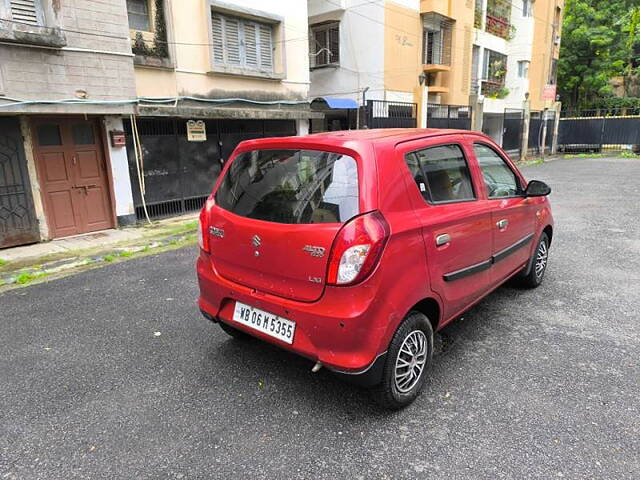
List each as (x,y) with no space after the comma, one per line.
(118,138)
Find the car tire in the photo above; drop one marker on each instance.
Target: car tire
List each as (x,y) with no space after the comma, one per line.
(410,350)
(539,263)
(234,332)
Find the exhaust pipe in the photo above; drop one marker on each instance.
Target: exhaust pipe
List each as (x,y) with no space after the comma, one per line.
(316,367)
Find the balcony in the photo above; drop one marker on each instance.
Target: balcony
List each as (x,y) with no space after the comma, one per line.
(436,42)
(435,68)
(493,89)
(497,18)
(498,27)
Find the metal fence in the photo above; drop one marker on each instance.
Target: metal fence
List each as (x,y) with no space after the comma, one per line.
(597,130)
(179,175)
(449,116)
(512,131)
(390,114)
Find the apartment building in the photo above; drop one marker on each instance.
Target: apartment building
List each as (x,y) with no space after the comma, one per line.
(498,52)
(66,80)
(210,74)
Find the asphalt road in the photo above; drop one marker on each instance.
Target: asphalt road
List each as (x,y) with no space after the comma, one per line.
(530,384)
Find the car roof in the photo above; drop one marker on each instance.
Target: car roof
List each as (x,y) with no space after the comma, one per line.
(351,138)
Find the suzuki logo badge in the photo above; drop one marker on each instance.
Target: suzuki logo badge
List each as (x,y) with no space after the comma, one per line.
(256,241)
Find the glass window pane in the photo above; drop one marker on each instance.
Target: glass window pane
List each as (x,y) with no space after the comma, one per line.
(49,135)
(441,173)
(138,11)
(499,178)
(291,186)
(83,134)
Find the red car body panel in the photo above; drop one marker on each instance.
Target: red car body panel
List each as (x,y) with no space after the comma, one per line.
(348,327)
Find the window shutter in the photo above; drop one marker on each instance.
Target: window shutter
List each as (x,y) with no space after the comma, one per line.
(266,49)
(24,11)
(218,39)
(251,44)
(232,40)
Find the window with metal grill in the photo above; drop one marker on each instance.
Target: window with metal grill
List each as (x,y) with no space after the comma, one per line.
(25,11)
(242,43)
(324,45)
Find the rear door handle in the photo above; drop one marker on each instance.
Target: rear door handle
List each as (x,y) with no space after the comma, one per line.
(502,223)
(443,239)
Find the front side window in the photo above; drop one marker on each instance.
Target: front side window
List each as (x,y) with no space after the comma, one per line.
(499,179)
(291,186)
(26,11)
(138,12)
(241,42)
(324,44)
(441,174)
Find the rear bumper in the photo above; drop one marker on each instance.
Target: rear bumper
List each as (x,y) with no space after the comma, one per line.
(343,330)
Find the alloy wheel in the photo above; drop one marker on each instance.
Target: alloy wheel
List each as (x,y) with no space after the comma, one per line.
(541,259)
(411,360)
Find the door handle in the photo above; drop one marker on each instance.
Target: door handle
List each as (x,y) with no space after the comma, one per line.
(502,223)
(443,239)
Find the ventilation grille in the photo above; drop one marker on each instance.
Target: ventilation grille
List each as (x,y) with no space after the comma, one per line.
(24,11)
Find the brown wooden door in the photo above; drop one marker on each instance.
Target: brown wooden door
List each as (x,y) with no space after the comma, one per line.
(73,176)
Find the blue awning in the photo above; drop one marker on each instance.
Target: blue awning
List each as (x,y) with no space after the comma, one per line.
(324,103)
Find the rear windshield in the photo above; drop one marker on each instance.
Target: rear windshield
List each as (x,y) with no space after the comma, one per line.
(291,186)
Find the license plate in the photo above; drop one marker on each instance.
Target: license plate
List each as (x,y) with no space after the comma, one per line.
(265,322)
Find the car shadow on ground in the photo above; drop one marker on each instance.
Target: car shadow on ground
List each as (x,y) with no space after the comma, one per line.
(285,375)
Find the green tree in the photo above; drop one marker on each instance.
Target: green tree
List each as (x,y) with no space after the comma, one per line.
(600,40)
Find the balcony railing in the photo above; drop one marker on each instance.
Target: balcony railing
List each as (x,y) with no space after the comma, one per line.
(498,26)
(493,89)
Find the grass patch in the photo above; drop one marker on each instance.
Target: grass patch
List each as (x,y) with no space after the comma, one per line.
(623,155)
(191,226)
(583,155)
(533,161)
(2,262)
(26,277)
(109,258)
(126,253)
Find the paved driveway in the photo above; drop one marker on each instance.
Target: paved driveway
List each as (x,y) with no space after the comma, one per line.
(530,384)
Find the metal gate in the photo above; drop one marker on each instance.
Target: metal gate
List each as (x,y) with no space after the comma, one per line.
(178,174)
(388,114)
(492,126)
(513,127)
(590,131)
(18,224)
(537,137)
(449,116)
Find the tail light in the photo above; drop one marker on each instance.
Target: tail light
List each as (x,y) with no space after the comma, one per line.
(357,249)
(203,226)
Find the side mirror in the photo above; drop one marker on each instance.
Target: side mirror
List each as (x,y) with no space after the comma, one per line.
(536,188)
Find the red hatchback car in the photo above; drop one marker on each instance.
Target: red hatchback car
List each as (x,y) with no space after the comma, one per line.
(351,248)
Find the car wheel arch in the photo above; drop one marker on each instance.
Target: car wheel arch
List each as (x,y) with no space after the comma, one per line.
(549,231)
(430,307)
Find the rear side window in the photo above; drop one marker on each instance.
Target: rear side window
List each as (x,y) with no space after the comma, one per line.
(291,186)
(500,180)
(441,173)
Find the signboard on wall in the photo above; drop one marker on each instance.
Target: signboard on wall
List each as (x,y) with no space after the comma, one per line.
(196,131)
(549,92)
